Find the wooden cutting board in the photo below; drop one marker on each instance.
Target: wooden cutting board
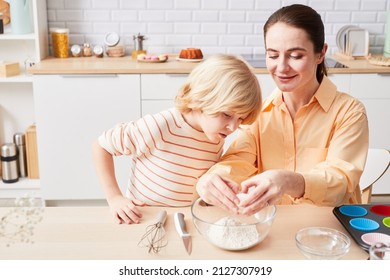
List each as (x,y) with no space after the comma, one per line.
(4,8)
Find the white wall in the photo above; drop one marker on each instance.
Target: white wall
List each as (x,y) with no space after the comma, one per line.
(231,26)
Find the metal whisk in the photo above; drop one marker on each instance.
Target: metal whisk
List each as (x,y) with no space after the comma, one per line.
(154,237)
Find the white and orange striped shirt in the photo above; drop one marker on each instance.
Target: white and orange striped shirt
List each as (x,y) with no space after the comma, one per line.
(168,157)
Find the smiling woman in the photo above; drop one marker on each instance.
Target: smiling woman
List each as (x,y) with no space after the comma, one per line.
(309,143)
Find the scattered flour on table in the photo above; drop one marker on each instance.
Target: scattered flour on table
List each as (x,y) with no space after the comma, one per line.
(226,235)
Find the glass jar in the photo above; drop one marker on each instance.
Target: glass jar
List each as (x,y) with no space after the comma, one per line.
(60,42)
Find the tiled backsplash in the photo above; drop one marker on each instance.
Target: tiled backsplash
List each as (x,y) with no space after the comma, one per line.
(231,26)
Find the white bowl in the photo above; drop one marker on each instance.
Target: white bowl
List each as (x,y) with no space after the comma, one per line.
(228,231)
(320,243)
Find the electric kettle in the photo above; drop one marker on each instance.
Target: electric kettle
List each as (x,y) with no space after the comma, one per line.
(20,15)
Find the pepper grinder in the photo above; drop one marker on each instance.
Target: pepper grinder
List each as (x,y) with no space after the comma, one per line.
(20,142)
(9,163)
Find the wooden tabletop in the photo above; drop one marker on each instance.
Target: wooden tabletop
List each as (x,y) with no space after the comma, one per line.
(127,65)
(73,233)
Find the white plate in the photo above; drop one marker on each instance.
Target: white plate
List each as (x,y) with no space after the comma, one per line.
(189,60)
(340,37)
(151,61)
(357,42)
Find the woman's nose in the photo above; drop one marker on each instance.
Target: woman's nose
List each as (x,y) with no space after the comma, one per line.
(283,65)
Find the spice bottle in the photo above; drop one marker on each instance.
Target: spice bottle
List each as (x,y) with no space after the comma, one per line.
(20,142)
(87,50)
(9,163)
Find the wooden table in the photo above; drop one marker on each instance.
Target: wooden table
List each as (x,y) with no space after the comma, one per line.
(76,233)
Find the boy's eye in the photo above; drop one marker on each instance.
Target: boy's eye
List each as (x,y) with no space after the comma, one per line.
(227,115)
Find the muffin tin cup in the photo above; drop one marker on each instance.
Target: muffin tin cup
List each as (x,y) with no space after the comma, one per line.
(366,223)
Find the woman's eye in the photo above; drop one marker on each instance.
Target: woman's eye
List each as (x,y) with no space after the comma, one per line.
(296,57)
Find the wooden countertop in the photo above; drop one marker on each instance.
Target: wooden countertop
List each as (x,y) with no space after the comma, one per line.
(127,65)
(73,233)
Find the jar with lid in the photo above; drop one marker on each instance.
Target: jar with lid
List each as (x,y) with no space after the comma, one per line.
(76,50)
(87,49)
(60,42)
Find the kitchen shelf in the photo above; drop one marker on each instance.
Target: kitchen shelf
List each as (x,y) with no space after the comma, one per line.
(9,36)
(23,187)
(22,78)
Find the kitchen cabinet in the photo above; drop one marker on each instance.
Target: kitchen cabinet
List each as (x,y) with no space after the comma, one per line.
(373,91)
(16,92)
(158,91)
(71,112)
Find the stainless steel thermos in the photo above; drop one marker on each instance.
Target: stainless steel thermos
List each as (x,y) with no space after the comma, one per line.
(9,163)
(20,142)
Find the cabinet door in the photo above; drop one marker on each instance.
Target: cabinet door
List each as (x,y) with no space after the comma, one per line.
(71,112)
(159,91)
(373,91)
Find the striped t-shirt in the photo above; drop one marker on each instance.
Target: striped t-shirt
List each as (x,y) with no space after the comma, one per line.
(168,157)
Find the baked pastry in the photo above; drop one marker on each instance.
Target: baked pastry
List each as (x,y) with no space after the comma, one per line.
(379,60)
(191,53)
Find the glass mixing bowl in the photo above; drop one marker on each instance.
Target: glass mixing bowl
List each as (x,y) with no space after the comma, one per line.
(228,231)
(320,243)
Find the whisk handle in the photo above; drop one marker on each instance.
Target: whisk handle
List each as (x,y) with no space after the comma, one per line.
(161,217)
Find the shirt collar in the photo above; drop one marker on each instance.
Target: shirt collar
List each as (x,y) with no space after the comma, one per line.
(324,95)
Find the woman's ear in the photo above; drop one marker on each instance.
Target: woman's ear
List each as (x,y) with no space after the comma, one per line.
(322,53)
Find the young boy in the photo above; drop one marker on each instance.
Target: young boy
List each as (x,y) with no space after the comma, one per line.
(172,149)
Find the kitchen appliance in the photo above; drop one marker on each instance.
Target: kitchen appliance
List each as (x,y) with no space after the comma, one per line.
(181,229)
(258,61)
(9,163)
(20,15)
(138,45)
(386,51)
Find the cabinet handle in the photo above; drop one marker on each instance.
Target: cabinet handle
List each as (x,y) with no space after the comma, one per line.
(177,75)
(89,76)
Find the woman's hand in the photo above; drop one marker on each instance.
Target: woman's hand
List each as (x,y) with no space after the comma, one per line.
(219,191)
(269,187)
(124,209)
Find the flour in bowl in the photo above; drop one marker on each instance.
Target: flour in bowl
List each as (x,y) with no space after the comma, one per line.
(230,234)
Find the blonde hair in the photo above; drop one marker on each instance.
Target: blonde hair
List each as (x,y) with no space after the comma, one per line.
(222,83)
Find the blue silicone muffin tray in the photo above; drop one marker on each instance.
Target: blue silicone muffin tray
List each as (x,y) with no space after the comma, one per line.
(366,223)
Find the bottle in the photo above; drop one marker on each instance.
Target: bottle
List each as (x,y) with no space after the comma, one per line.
(9,163)
(20,142)
(1,23)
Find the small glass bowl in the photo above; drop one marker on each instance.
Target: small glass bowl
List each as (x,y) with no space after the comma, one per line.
(320,243)
(232,232)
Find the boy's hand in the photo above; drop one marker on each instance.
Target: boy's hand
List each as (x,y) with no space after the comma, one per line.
(124,209)
(219,191)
